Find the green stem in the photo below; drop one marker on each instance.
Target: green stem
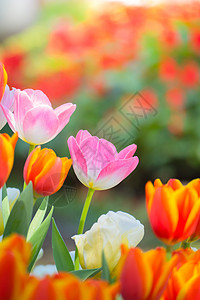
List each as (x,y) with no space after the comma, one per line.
(82,221)
(169,252)
(31,148)
(185,244)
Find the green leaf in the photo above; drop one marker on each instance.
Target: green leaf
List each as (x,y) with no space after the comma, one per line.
(21,213)
(84,274)
(5,210)
(4,191)
(38,218)
(105,275)
(61,254)
(38,237)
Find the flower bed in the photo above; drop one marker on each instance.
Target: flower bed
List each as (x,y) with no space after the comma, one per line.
(116,52)
(107,264)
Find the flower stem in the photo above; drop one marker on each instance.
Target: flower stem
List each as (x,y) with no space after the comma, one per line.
(168,252)
(185,244)
(31,148)
(82,221)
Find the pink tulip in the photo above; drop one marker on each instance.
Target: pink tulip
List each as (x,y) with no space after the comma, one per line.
(7,101)
(97,163)
(34,118)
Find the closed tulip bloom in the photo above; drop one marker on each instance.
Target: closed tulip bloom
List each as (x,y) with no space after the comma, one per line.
(97,163)
(184,283)
(110,231)
(3,80)
(173,210)
(7,148)
(46,171)
(144,275)
(34,118)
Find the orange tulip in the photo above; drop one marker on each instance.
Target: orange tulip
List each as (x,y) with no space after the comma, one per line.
(173,210)
(3,80)
(184,282)
(144,276)
(64,286)
(7,148)
(195,184)
(14,256)
(46,171)
(16,283)
(100,290)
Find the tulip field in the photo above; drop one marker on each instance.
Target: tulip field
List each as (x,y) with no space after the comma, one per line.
(102,105)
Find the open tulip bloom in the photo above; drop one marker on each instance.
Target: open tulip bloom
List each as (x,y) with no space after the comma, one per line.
(173,210)
(97,163)
(34,118)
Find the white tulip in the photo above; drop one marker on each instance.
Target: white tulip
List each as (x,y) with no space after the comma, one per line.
(110,231)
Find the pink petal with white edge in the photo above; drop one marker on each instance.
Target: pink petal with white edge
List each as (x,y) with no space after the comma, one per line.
(37,97)
(10,118)
(79,162)
(115,172)
(82,135)
(40,125)
(127,152)
(63,114)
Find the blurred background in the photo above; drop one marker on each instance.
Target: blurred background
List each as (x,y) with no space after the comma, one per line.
(133,69)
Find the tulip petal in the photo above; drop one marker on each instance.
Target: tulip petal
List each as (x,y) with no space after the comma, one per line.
(195,184)
(10,118)
(63,114)
(149,192)
(191,289)
(39,125)
(29,163)
(82,135)
(97,153)
(127,152)
(48,180)
(115,172)
(161,269)
(175,184)
(7,101)
(136,276)
(6,158)
(79,162)
(3,119)
(37,97)
(22,104)
(3,80)
(164,215)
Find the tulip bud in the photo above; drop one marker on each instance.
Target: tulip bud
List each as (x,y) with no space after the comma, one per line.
(46,171)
